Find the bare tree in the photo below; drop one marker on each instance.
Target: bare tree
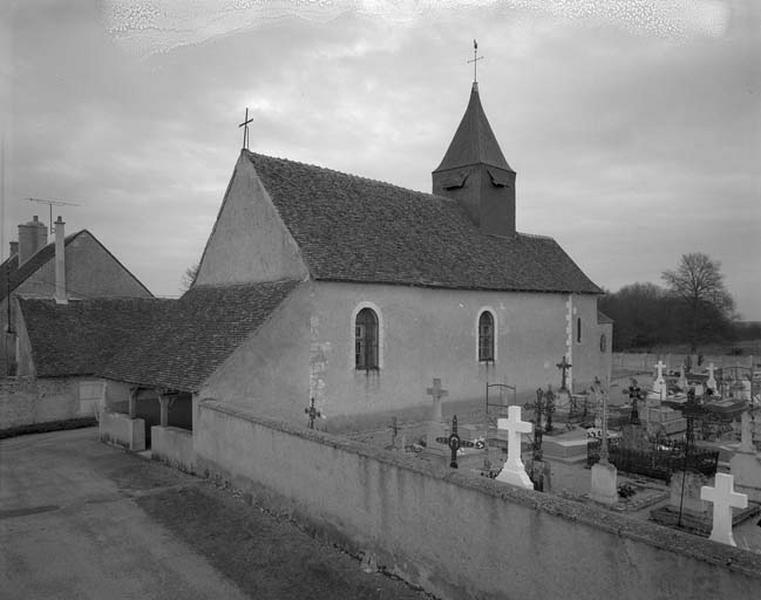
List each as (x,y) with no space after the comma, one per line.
(699,284)
(189,276)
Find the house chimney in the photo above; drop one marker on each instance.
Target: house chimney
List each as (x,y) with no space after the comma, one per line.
(14,248)
(60,263)
(31,237)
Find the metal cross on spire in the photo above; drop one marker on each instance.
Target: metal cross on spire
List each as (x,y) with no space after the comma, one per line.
(245,123)
(475,60)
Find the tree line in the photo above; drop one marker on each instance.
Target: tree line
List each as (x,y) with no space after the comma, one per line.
(693,307)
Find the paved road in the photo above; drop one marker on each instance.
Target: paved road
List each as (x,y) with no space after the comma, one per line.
(70,527)
(79,519)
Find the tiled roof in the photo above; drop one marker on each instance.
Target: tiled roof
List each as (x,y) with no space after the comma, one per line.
(81,337)
(196,335)
(603,318)
(11,276)
(474,141)
(353,229)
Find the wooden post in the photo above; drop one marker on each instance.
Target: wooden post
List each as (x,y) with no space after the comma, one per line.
(132,410)
(164,403)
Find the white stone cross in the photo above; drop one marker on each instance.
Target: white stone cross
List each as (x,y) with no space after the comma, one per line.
(711,383)
(438,393)
(514,472)
(723,498)
(660,366)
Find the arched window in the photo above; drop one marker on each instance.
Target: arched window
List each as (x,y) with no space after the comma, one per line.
(486,337)
(366,340)
(578,330)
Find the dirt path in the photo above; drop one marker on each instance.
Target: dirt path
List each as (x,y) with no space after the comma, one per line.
(79,519)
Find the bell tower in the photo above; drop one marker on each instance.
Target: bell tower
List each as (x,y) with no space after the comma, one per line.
(475,173)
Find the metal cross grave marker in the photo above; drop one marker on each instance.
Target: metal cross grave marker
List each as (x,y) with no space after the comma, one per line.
(312,413)
(454,442)
(245,123)
(564,366)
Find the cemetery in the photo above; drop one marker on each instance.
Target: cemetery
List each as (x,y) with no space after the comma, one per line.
(660,447)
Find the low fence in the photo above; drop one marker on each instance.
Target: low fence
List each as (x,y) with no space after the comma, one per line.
(456,535)
(660,461)
(643,361)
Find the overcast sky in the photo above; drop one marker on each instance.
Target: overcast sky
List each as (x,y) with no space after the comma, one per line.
(634,127)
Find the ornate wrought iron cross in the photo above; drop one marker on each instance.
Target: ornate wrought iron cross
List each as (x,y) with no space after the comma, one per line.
(245,123)
(564,366)
(312,413)
(454,442)
(635,395)
(475,60)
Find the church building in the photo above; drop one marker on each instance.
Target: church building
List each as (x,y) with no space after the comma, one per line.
(372,290)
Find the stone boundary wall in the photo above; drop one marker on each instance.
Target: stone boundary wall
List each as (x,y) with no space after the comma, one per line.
(456,535)
(641,361)
(173,446)
(28,401)
(120,430)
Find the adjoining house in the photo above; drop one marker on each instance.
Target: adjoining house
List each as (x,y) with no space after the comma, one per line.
(48,357)
(72,267)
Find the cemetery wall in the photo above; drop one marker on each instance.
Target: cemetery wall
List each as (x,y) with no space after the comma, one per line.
(456,535)
(307,350)
(174,446)
(28,401)
(645,361)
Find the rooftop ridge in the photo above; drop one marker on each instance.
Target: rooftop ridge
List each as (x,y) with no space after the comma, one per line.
(345,174)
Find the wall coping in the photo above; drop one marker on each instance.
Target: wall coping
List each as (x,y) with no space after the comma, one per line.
(672,540)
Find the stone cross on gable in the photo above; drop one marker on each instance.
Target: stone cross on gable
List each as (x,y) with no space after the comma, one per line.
(437,392)
(514,472)
(723,498)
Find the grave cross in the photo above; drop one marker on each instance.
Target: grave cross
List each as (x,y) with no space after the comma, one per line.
(245,124)
(515,427)
(711,383)
(564,366)
(454,442)
(514,472)
(723,497)
(475,60)
(437,392)
(312,413)
(660,366)
(635,395)
(543,406)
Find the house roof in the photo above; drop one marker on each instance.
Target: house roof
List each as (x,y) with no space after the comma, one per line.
(353,229)
(474,141)
(603,318)
(12,276)
(196,335)
(81,337)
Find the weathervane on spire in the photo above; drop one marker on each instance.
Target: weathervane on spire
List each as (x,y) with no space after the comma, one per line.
(475,60)
(245,123)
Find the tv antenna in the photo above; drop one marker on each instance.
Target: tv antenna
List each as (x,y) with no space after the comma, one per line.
(51,204)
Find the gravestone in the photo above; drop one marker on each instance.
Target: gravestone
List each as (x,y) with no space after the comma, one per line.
(604,486)
(436,426)
(683,383)
(514,471)
(689,501)
(711,383)
(659,385)
(745,465)
(724,498)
